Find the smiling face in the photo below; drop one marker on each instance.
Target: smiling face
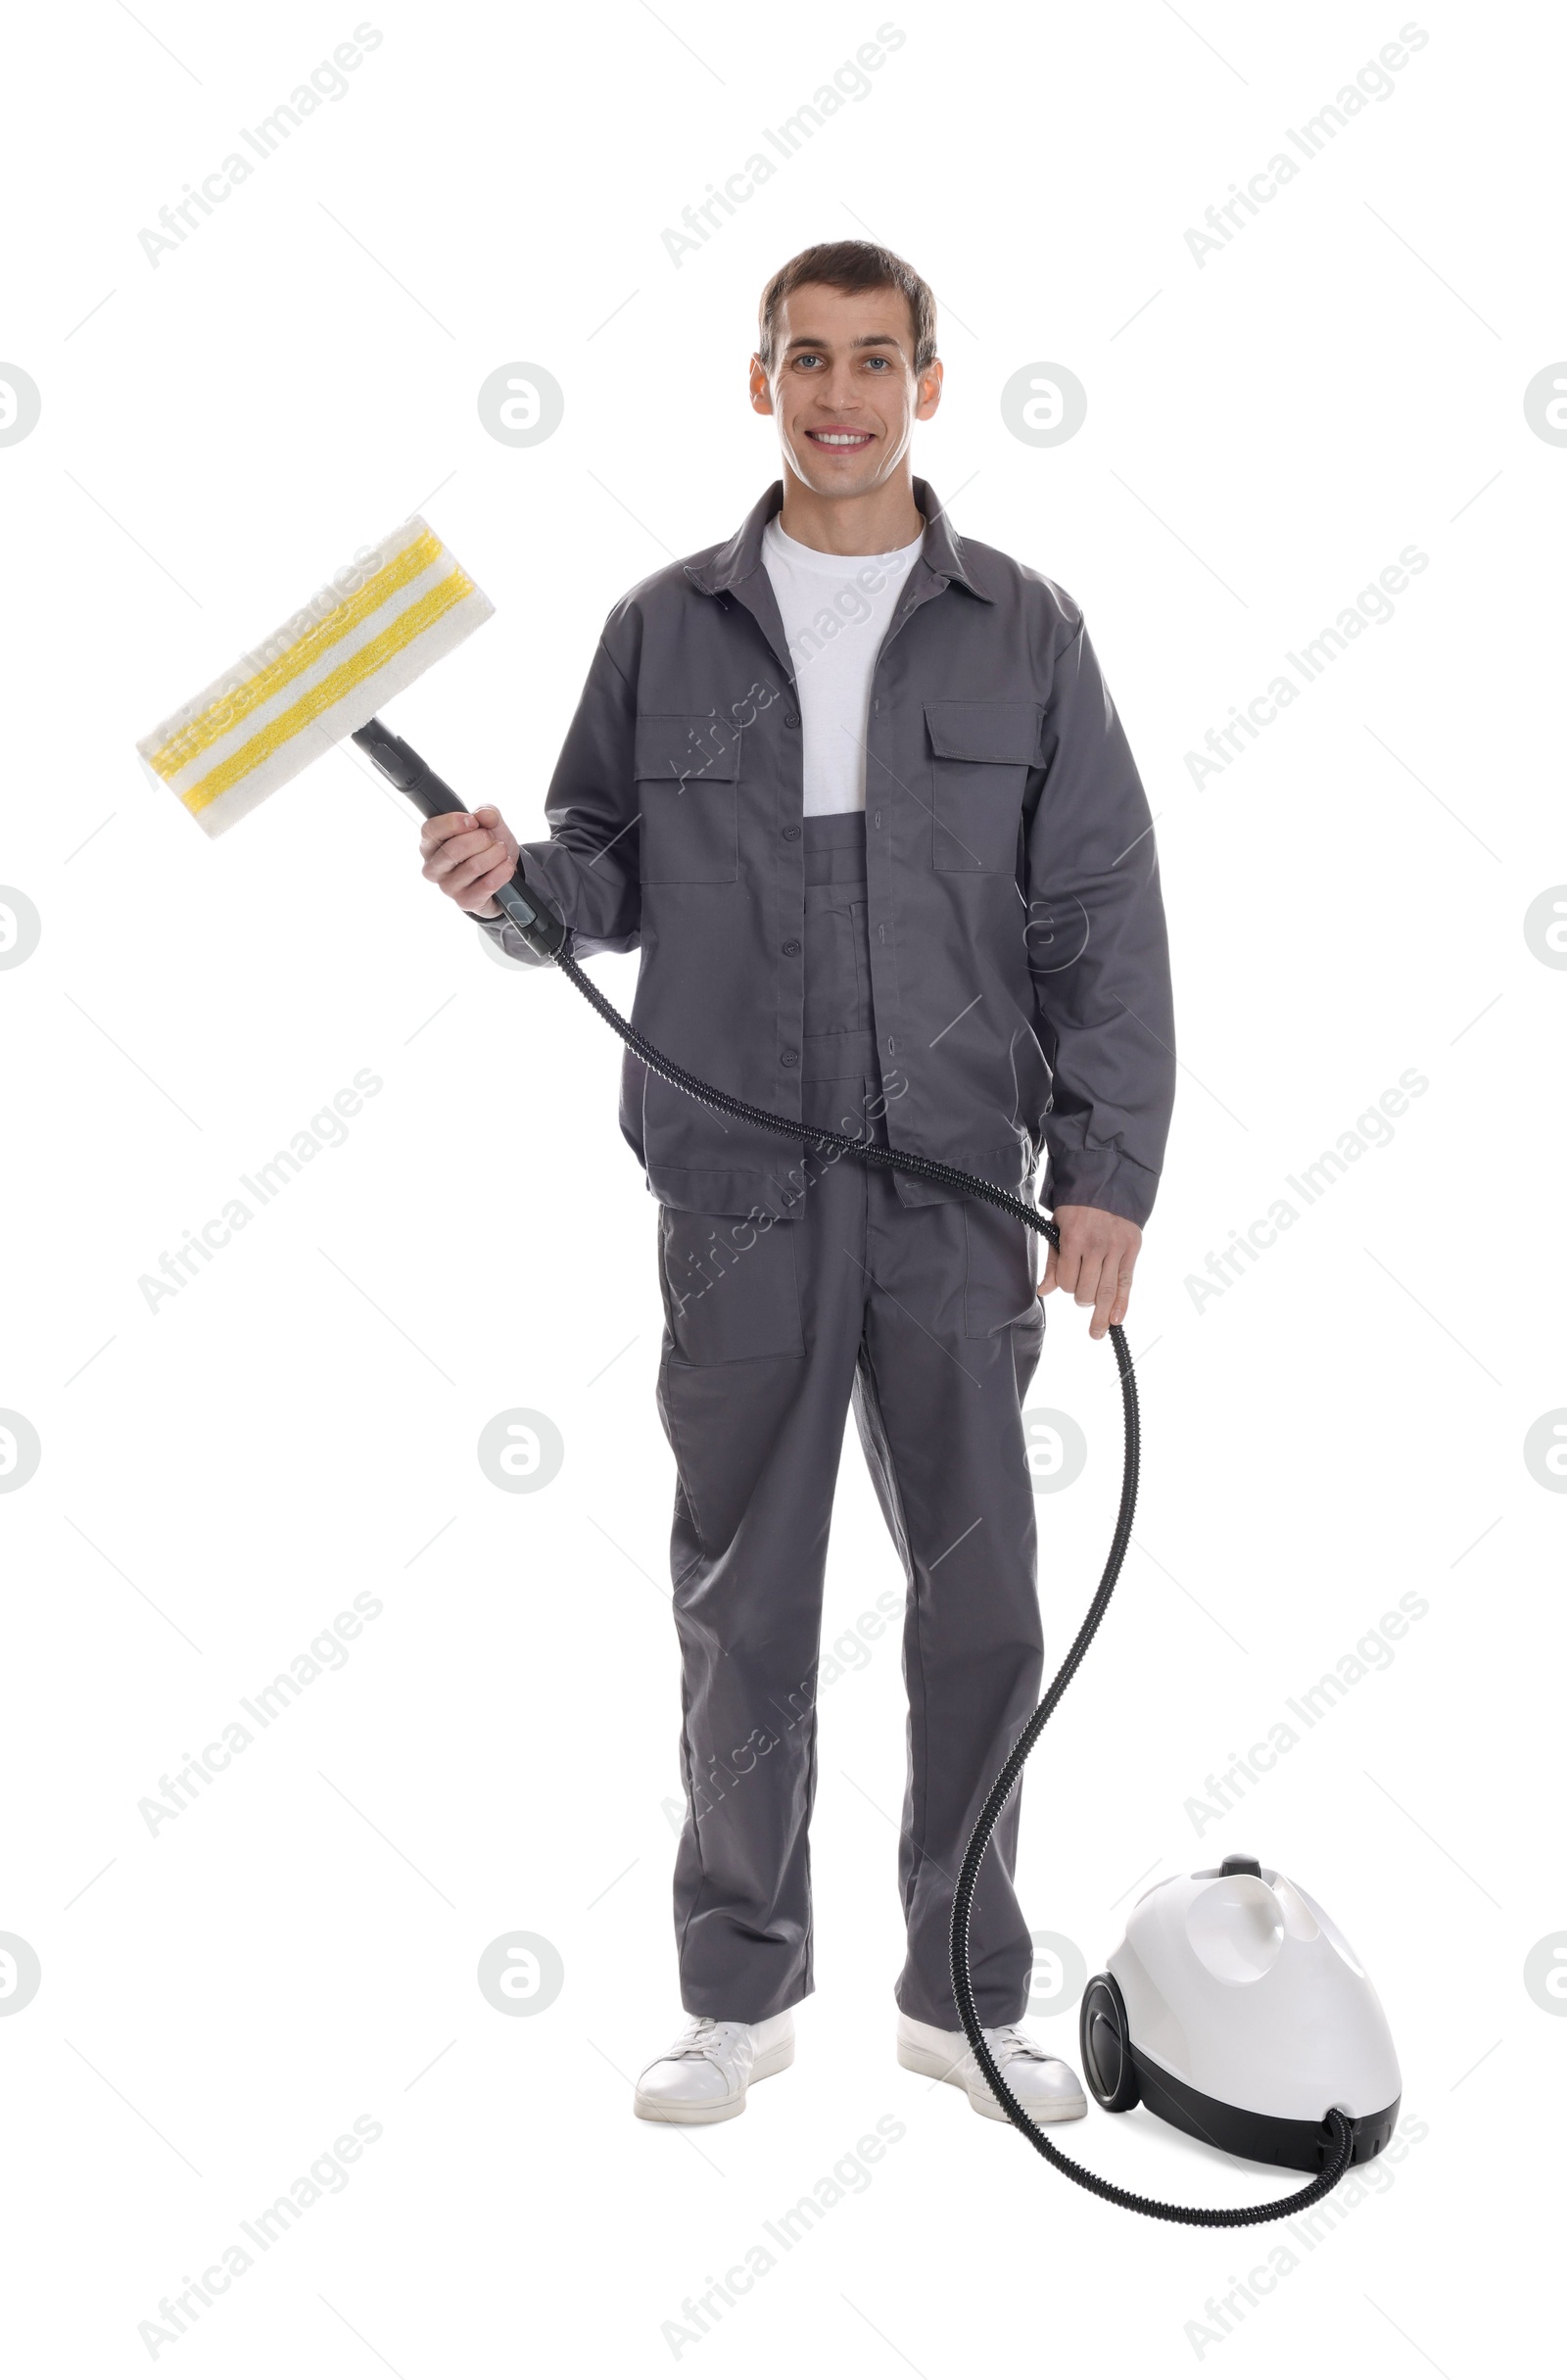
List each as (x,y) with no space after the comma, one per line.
(843,388)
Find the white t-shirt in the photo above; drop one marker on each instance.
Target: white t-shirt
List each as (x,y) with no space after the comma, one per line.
(836,609)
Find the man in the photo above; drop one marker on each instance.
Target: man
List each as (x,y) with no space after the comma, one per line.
(855,787)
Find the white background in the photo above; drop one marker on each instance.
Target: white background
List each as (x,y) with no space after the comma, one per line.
(1343,1426)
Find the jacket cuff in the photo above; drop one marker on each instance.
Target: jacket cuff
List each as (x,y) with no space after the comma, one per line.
(1106,1178)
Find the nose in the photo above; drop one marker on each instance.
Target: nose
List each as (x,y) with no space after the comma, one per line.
(839,392)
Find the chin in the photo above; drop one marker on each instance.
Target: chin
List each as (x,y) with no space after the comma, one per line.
(827,479)
(826,486)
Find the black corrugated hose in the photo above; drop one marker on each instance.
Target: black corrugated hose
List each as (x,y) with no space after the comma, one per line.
(545,936)
(952,1177)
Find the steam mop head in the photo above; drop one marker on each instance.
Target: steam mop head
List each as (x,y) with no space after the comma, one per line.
(326,671)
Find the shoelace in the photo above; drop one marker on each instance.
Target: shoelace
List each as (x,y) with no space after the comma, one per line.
(1006,2041)
(703,2034)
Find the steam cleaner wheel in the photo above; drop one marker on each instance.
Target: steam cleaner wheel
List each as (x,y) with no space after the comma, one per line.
(1106,2046)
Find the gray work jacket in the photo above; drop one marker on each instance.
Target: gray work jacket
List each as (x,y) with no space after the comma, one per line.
(1019,970)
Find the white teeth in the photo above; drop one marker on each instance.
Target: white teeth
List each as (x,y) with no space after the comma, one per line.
(840,438)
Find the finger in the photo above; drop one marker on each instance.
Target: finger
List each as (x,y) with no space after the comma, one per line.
(1105,1299)
(436,830)
(1069,1265)
(494,878)
(443,838)
(438,833)
(1123,1291)
(466,874)
(489,817)
(457,851)
(458,873)
(1048,1279)
(1090,1270)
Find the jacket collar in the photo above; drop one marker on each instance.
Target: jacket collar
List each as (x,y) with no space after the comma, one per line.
(942,552)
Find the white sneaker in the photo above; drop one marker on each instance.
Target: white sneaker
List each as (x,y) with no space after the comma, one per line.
(1047,2089)
(704,2076)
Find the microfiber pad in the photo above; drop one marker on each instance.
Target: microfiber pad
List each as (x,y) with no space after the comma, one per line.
(328,670)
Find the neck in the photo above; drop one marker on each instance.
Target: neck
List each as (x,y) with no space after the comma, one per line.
(880,521)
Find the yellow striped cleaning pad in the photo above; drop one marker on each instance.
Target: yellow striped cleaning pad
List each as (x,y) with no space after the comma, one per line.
(372,631)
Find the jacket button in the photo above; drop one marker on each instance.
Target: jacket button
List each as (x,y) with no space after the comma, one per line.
(791,834)
(789,1057)
(791,719)
(790,949)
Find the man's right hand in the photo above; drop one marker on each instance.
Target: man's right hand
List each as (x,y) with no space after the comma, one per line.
(468,853)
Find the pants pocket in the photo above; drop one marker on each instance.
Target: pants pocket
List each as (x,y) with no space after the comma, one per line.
(836,958)
(1004,1265)
(831,975)
(730,1290)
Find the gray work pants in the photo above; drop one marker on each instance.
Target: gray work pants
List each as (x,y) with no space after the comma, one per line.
(925,1317)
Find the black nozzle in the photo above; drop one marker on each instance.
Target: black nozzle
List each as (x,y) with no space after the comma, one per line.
(400,765)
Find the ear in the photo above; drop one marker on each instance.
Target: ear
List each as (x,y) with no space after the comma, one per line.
(761,394)
(929,386)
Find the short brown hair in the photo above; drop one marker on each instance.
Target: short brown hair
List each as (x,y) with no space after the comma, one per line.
(851,264)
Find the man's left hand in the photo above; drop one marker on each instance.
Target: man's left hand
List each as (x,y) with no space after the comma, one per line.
(1094,1263)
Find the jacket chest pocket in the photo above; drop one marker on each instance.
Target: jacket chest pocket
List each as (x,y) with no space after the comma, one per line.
(688,769)
(980,755)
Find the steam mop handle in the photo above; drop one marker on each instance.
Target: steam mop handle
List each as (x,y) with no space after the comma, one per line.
(400,765)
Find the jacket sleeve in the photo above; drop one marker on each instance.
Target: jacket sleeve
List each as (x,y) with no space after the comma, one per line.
(1098,953)
(588,870)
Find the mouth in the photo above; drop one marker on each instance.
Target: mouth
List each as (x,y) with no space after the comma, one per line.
(839,441)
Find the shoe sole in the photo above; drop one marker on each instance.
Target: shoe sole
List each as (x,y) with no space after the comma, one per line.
(979,2095)
(716,2111)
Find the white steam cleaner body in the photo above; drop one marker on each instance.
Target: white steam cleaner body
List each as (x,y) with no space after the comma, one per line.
(1236,2010)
